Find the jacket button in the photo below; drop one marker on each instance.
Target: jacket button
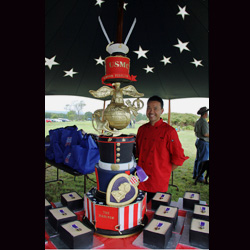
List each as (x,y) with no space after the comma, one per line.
(118,149)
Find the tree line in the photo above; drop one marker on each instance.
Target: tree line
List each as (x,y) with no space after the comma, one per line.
(74,109)
(176,119)
(180,119)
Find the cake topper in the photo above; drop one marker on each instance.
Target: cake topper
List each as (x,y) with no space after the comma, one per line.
(117,115)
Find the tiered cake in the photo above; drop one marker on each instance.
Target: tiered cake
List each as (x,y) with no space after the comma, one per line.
(116,207)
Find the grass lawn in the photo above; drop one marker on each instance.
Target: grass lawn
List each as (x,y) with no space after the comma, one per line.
(182,175)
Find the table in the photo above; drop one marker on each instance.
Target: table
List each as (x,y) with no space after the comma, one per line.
(69,170)
(179,239)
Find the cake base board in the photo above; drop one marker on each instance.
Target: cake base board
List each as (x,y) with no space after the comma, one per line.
(116,234)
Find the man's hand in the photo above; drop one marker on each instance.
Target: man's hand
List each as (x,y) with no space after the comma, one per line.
(174,167)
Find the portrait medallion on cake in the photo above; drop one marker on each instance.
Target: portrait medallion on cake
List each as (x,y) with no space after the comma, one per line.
(122,190)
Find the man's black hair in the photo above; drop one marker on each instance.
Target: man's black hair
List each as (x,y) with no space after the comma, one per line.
(156,98)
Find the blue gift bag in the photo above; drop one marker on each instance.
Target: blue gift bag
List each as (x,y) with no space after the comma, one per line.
(69,137)
(50,153)
(54,151)
(86,155)
(68,156)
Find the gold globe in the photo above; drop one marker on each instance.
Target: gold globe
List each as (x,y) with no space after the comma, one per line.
(117,115)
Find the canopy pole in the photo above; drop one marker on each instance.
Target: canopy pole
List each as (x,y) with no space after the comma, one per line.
(104,104)
(169,111)
(120,21)
(172,179)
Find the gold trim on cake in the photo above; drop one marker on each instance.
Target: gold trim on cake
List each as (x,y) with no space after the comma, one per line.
(118,236)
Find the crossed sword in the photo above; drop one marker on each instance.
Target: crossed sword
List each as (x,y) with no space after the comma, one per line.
(106,35)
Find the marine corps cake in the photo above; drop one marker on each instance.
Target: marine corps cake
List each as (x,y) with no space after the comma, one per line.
(116,207)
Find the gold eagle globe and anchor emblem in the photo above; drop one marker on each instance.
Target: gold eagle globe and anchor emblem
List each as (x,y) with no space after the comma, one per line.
(117,115)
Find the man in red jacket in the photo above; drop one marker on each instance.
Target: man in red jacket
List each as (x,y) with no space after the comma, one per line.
(158,149)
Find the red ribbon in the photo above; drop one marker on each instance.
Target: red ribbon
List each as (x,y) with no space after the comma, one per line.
(131,78)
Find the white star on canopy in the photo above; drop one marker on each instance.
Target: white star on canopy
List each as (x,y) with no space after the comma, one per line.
(182,12)
(141,52)
(70,73)
(165,60)
(197,63)
(50,62)
(182,46)
(99,2)
(149,69)
(99,60)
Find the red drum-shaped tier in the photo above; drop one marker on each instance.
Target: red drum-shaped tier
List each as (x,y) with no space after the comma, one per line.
(117,69)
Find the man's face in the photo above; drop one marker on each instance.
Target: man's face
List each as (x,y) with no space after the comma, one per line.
(154,111)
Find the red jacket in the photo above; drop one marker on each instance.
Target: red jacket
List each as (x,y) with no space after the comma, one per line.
(157,147)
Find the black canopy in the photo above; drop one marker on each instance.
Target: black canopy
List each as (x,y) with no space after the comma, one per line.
(74,40)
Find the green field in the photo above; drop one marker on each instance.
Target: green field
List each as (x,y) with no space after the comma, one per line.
(182,175)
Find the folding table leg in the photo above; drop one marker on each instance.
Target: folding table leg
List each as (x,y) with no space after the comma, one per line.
(173,181)
(57,177)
